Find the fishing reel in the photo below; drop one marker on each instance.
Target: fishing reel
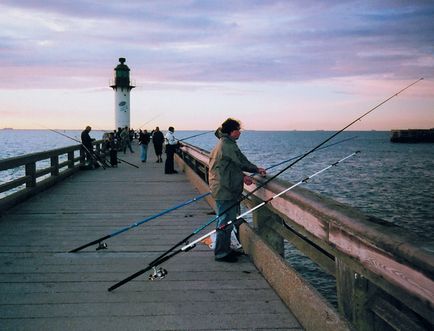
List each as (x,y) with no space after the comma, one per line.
(101,245)
(157,274)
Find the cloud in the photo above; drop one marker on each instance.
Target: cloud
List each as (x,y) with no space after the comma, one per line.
(71,44)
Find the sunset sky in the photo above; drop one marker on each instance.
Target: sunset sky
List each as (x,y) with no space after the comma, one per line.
(275,65)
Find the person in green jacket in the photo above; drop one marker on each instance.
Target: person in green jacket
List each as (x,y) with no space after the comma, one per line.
(226,182)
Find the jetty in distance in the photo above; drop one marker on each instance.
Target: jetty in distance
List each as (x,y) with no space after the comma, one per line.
(412,136)
(384,276)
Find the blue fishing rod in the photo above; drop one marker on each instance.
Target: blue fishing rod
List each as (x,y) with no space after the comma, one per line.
(160,273)
(102,245)
(165,256)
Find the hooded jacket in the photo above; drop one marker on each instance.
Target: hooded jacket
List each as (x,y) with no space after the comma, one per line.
(226,166)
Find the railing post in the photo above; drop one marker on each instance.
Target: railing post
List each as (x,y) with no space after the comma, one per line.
(82,156)
(261,217)
(354,292)
(70,160)
(54,165)
(31,173)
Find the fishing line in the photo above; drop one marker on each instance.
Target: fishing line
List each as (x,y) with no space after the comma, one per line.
(165,255)
(160,273)
(153,118)
(103,245)
(92,154)
(196,135)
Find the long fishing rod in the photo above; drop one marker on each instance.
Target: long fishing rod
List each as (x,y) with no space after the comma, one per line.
(92,154)
(103,245)
(160,273)
(196,135)
(153,118)
(290,165)
(117,158)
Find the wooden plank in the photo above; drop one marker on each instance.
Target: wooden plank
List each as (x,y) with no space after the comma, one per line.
(42,287)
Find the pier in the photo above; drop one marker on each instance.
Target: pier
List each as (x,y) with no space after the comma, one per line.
(384,279)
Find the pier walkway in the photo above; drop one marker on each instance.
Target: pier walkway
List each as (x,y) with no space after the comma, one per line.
(42,287)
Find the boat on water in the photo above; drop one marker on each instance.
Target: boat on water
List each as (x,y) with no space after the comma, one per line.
(7,128)
(412,136)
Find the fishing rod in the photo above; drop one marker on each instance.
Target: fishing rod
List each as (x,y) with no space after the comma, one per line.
(160,273)
(103,245)
(289,166)
(91,153)
(153,118)
(117,158)
(196,135)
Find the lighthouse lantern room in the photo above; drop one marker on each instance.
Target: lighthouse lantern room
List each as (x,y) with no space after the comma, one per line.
(122,88)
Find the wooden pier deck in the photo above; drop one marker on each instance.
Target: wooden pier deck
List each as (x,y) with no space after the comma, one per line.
(42,287)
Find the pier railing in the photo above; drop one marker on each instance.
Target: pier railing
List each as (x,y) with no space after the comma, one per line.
(384,276)
(30,174)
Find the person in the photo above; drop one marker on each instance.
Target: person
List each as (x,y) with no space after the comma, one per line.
(226,179)
(144,139)
(126,140)
(158,140)
(111,146)
(171,145)
(87,142)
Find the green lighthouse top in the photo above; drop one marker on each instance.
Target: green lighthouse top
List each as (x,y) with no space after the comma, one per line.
(122,75)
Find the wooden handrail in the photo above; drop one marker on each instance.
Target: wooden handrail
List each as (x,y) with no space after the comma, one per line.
(372,260)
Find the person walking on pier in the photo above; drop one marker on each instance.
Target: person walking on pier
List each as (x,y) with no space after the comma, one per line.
(158,140)
(171,145)
(226,178)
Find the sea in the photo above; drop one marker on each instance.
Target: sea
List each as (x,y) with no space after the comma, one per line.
(391,181)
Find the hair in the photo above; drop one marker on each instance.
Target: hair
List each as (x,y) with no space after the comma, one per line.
(171,128)
(230,125)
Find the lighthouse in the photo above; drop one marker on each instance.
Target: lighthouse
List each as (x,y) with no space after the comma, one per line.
(122,88)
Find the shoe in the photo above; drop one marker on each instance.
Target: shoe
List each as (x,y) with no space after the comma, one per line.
(228,258)
(174,172)
(236,253)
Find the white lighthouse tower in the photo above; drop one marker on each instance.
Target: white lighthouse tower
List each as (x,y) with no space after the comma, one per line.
(122,88)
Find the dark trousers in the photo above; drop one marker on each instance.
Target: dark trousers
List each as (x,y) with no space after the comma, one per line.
(169,167)
(113,157)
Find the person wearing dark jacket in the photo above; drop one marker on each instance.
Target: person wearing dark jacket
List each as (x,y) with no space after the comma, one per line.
(87,141)
(226,182)
(158,140)
(144,139)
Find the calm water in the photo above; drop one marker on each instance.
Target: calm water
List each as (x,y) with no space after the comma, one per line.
(394,182)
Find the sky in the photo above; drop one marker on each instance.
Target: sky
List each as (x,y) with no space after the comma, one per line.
(273,65)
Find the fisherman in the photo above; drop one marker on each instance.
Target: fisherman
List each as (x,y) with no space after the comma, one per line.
(226,179)
(171,145)
(87,141)
(158,140)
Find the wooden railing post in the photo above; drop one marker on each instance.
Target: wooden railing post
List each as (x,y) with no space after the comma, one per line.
(261,217)
(31,173)
(82,156)
(353,293)
(71,159)
(54,165)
